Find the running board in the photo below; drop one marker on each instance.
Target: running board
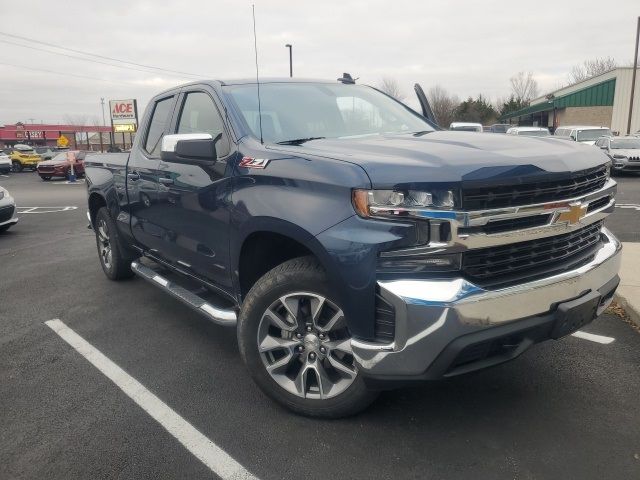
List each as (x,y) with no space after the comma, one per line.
(228,318)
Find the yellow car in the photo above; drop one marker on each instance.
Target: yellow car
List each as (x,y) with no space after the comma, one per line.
(24,156)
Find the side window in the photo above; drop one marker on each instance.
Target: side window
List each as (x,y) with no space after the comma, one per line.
(158,126)
(200,115)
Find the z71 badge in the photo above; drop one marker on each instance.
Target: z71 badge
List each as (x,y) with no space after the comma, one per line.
(249,162)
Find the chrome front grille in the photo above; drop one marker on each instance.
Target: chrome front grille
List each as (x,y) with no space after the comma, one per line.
(513,263)
(580,183)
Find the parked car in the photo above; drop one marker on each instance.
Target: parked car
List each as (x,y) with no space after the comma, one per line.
(466,126)
(7,210)
(46,153)
(500,127)
(623,151)
(582,134)
(59,165)
(23,156)
(353,252)
(529,131)
(5,163)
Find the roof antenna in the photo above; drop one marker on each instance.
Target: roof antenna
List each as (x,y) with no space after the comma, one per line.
(255,46)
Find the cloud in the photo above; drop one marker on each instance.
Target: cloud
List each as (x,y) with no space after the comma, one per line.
(468,47)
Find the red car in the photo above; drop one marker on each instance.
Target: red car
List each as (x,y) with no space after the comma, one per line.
(59,165)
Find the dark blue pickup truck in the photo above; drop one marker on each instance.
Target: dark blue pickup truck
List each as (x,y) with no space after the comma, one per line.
(353,244)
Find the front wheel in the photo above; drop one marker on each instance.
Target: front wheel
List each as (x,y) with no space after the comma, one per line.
(295,342)
(16,166)
(114,260)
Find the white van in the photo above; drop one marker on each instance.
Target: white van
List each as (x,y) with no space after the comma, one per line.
(582,133)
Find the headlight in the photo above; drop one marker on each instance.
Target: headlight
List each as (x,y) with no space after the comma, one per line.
(395,203)
(616,155)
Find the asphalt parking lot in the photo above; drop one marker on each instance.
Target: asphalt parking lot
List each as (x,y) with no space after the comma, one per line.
(565,409)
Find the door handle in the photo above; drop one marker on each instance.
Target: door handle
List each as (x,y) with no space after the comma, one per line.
(166,181)
(133,176)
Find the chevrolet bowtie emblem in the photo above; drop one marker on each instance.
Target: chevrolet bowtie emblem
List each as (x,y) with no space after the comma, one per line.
(576,212)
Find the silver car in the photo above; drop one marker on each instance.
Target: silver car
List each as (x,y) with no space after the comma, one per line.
(623,151)
(7,210)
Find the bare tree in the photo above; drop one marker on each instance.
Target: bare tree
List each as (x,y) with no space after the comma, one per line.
(524,87)
(591,68)
(443,105)
(391,87)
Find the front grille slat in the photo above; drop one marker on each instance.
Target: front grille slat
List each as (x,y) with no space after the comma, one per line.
(493,266)
(499,196)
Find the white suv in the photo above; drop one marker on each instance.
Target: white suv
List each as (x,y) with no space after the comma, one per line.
(582,133)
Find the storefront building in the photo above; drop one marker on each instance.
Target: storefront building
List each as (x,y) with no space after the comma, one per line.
(599,101)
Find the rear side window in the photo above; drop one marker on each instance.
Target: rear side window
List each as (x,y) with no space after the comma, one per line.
(158,126)
(200,115)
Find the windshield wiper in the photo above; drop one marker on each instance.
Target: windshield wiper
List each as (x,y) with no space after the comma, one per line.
(298,141)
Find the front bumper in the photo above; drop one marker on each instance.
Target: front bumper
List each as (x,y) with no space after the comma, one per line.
(439,323)
(625,165)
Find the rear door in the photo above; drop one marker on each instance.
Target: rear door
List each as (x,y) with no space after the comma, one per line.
(142,175)
(196,196)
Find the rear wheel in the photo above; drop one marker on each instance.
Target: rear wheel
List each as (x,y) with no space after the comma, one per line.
(294,339)
(16,166)
(115,260)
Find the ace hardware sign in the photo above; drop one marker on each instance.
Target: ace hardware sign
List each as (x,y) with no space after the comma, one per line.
(124,112)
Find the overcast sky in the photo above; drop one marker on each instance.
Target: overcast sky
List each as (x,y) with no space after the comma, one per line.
(468,47)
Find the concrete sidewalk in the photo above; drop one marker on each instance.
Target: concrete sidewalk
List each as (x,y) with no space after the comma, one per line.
(628,293)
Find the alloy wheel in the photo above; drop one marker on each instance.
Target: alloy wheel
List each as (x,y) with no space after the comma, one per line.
(104,244)
(305,346)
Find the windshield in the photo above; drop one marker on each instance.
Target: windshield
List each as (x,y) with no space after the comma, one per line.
(630,143)
(308,110)
(534,133)
(592,135)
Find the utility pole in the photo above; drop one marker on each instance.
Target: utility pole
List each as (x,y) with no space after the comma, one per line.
(633,78)
(290,47)
(104,124)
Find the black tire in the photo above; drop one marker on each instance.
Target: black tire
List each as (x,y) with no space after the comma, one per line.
(45,178)
(4,228)
(16,166)
(118,266)
(300,274)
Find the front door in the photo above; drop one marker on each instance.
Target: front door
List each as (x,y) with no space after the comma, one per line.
(142,174)
(196,196)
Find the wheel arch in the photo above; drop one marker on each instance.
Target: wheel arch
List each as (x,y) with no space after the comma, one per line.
(269,243)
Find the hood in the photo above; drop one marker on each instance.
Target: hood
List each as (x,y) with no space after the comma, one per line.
(627,152)
(446,157)
(50,163)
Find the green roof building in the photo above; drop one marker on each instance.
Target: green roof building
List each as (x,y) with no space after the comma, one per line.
(602,100)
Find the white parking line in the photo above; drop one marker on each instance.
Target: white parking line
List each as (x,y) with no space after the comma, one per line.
(593,337)
(218,461)
(631,206)
(45,209)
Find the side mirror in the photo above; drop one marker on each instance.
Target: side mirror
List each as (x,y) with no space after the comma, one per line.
(189,148)
(603,147)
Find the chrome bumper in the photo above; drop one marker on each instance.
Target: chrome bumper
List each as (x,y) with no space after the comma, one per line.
(430,314)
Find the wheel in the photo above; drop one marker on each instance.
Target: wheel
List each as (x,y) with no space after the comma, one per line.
(115,260)
(294,340)
(4,228)
(16,166)
(45,177)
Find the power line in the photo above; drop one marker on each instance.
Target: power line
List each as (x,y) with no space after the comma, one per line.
(66,74)
(76,57)
(104,57)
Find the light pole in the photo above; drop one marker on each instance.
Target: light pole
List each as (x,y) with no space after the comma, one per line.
(290,47)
